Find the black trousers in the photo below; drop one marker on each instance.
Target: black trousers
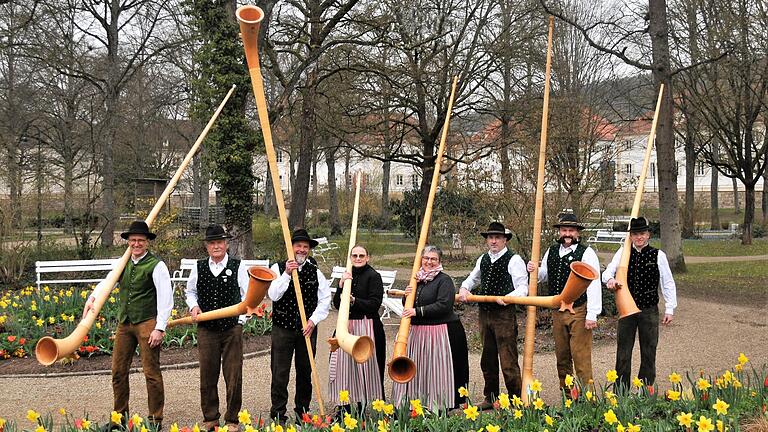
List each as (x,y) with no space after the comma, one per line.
(646,326)
(284,344)
(220,352)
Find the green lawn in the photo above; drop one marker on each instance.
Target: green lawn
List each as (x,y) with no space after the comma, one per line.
(728,282)
(730,247)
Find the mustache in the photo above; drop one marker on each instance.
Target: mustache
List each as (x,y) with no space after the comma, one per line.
(574,240)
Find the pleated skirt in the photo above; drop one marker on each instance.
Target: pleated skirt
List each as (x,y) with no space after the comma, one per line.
(362,381)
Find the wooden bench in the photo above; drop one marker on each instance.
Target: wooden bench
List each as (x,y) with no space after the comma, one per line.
(46,268)
(607,236)
(387,278)
(323,247)
(187,264)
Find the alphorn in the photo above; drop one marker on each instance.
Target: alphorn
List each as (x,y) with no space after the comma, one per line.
(359,347)
(250,18)
(578,281)
(402,369)
(625,304)
(48,350)
(530,322)
(258,283)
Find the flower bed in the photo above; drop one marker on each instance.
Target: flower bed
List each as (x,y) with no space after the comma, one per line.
(27,315)
(733,401)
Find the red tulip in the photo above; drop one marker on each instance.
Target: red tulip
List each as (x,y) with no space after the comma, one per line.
(11,338)
(414,414)
(651,390)
(22,341)
(306,418)
(574,393)
(766,381)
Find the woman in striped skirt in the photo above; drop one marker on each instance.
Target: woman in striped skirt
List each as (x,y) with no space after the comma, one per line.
(437,342)
(364,382)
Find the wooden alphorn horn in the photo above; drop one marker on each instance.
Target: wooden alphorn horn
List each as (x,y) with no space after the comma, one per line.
(359,347)
(581,276)
(402,369)
(250,18)
(48,350)
(625,304)
(258,283)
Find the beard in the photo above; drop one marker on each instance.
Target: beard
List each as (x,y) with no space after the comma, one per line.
(574,240)
(300,258)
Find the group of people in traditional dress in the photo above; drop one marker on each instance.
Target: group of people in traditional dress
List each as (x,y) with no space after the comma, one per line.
(437,341)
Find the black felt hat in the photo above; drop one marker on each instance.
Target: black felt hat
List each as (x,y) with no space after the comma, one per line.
(569,220)
(639,224)
(301,234)
(216,232)
(138,227)
(497,228)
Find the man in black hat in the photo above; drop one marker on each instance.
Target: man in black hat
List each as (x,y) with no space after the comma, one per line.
(145,301)
(214,283)
(287,332)
(648,269)
(571,329)
(498,272)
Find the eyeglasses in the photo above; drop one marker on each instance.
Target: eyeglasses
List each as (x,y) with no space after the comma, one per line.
(428,258)
(358,255)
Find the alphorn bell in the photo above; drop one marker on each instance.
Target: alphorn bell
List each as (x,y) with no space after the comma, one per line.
(359,347)
(581,276)
(258,283)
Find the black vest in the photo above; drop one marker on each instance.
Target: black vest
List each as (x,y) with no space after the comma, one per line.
(643,276)
(285,312)
(216,292)
(559,268)
(495,279)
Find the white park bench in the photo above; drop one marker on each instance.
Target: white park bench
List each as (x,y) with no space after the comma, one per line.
(607,236)
(387,278)
(181,276)
(45,269)
(323,247)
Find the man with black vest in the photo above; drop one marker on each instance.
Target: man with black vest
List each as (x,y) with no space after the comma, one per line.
(214,283)
(145,302)
(497,272)
(287,332)
(648,269)
(572,330)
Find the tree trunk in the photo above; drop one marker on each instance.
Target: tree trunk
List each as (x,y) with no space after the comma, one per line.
(300,192)
(68,168)
(749,213)
(315,216)
(714,193)
(333,202)
(347,178)
(385,177)
(690,176)
(665,143)
(736,204)
(765,196)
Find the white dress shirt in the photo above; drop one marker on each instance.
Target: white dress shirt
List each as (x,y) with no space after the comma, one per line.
(279,286)
(594,290)
(516,268)
(667,283)
(162,280)
(216,268)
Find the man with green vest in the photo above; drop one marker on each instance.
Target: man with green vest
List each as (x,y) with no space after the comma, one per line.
(572,330)
(214,283)
(145,301)
(498,272)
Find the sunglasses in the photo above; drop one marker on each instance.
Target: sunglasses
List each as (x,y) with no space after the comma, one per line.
(358,255)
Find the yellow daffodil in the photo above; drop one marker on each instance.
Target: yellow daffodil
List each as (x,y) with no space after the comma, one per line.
(62,411)
(610,417)
(736,383)
(614,402)
(471,412)
(378,405)
(609,394)
(86,424)
(39,322)
(633,428)
(620,428)
(196,428)
(463,391)
(136,420)
(549,420)
(174,428)
(389,409)
(705,424)
(244,417)
(721,407)
(538,404)
(743,359)
(382,426)
(673,395)
(416,406)
(568,381)
(249,428)
(568,403)
(350,422)
(518,414)
(344,396)
(703,384)
(144,429)
(720,426)
(728,376)
(685,419)
(738,368)
(40,428)
(290,428)
(336,428)
(589,395)
(33,416)
(675,378)
(504,401)
(611,376)
(687,394)
(536,385)
(117,417)
(492,428)
(516,401)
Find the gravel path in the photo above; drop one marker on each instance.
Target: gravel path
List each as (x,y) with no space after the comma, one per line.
(704,336)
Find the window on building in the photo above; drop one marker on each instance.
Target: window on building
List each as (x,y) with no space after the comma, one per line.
(414,181)
(279,156)
(701,168)
(652,170)
(399,180)
(628,169)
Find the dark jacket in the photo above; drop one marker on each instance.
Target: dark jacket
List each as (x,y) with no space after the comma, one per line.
(368,291)
(434,301)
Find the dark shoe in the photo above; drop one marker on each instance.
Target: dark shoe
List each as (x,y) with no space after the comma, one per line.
(210,426)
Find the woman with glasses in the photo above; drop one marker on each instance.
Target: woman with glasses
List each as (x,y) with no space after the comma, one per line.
(437,343)
(364,382)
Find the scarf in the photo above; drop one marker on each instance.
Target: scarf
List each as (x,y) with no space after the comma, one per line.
(427,275)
